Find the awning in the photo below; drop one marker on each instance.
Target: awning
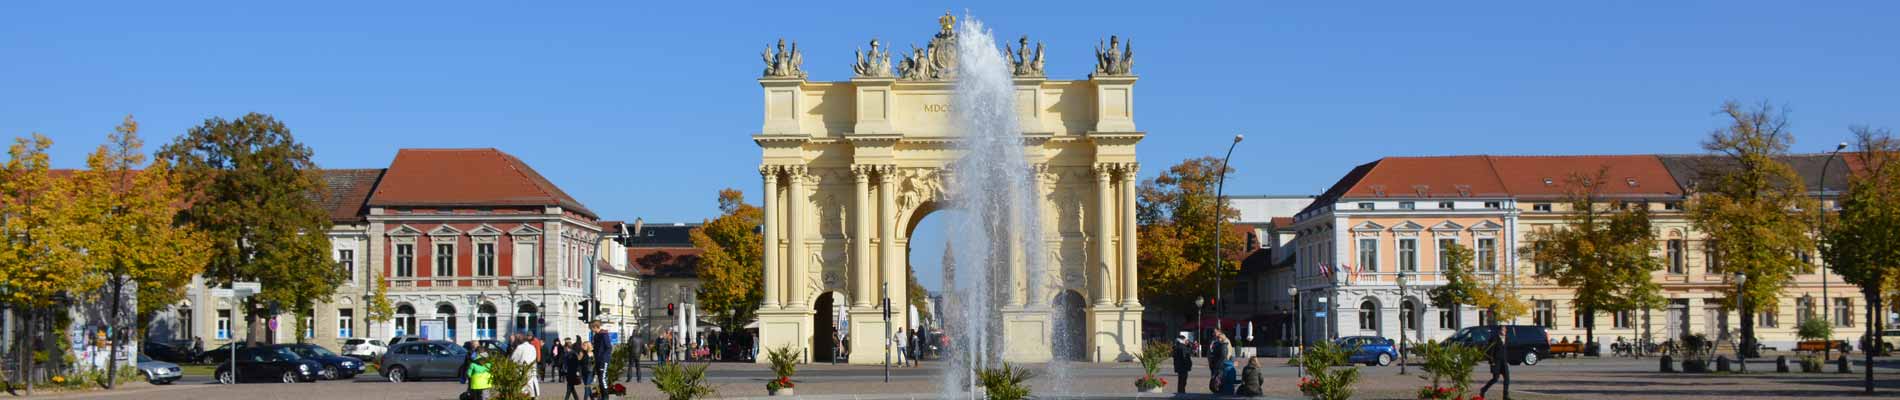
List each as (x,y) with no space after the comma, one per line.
(1209,323)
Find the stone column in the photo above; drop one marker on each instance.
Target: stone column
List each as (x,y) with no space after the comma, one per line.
(1130,293)
(772,278)
(1104,253)
(1016,235)
(861,275)
(892,267)
(1036,292)
(795,224)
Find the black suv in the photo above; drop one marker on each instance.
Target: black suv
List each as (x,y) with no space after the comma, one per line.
(1525,344)
(266,362)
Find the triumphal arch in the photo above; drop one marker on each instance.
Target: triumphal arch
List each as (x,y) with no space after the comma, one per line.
(850,167)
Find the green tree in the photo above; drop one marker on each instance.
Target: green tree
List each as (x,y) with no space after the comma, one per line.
(126,216)
(253,190)
(1743,201)
(731,261)
(1462,287)
(1175,214)
(1864,248)
(1602,252)
(38,255)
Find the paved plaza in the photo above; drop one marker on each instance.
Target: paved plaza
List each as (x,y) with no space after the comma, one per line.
(1553,379)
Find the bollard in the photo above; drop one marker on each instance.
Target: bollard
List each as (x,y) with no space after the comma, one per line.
(1721,364)
(1841,365)
(1668,364)
(1781,363)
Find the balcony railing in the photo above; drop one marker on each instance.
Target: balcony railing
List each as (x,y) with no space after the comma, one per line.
(462,282)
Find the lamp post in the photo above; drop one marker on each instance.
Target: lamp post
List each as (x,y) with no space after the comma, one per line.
(1820,226)
(593,271)
(1403,319)
(516,313)
(623,311)
(1218,207)
(1299,331)
(1741,299)
(1199,320)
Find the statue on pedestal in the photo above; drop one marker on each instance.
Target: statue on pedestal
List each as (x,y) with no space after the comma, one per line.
(783,62)
(1116,59)
(1026,63)
(878,65)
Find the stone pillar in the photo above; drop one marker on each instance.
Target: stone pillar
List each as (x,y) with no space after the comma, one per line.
(1036,293)
(861,275)
(772,278)
(1130,293)
(1017,271)
(794,224)
(1104,253)
(892,267)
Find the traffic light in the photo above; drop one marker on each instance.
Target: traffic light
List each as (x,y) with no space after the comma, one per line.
(586,316)
(669,309)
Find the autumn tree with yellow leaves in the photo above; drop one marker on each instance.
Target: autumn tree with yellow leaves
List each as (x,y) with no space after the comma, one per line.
(1175,216)
(731,262)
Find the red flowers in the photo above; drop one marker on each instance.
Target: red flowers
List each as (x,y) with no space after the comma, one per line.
(617,389)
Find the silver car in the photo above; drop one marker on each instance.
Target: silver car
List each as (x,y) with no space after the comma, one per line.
(415,360)
(159,372)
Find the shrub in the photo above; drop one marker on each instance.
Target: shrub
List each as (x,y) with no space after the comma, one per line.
(1151,357)
(681,382)
(1695,347)
(619,361)
(509,377)
(1811,364)
(1449,366)
(784,364)
(1005,383)
(1815,329)
(1328,381)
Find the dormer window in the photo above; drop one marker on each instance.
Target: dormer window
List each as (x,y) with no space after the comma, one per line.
(1406,205)
(1365,206)
(1493,205)
(1541,207)
(1447,205)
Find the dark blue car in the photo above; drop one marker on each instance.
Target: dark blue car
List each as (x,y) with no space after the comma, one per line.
(1370,350)
(334,366)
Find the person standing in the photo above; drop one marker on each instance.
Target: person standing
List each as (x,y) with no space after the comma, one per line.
(1217,355)
(525,354)
(583,360)
(540,357)
(1183,362)
(603,351)
(897,340)
(916,348)
(479,379)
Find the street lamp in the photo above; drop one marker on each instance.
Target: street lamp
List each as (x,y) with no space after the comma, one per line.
(516,314)
(1820,226)
(1741,298)
(1403,319)
(1218,207)
(623,311)
(1199,321)
(1299,332)
(593,271)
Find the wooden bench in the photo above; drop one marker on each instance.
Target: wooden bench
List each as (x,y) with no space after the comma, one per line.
(1566,349)
(1821,345)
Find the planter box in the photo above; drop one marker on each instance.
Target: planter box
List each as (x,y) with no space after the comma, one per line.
(1696,366)
(1156,389)
(781,392)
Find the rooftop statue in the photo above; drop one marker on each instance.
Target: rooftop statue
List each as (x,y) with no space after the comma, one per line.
(1116,59)
(938,59)
(1026,63)
(877,65)
(783,62)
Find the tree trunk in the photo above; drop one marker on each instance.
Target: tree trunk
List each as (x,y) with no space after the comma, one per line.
(26,351)
(1748,329)
(1589,331)
(1873,336)
(113,333)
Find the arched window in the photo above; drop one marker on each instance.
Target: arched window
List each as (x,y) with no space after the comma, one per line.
(1408,315)
(405,320)
(446,313)
(485,321)
(1369,315)
(525,314)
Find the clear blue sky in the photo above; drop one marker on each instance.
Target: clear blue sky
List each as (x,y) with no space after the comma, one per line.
(643,109)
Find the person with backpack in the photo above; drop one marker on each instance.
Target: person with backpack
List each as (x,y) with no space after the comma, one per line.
(479,379)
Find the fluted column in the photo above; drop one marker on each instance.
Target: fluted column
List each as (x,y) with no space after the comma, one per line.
(1016,236)
(1104,224)
(772,276)
(1035,291)
(892,267)
(1131,295)
(861,275)
(795,229)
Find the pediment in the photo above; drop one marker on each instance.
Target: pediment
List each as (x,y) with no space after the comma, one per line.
(1487,226)
(485,230)
(1447,226)
(525,230)
(445,230)
(404,230)
(1408,226)
(1368,226)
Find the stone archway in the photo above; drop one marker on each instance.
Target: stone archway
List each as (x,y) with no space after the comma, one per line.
(845,163)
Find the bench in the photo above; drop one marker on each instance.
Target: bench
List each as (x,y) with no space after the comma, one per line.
(1821,345)
(1566,349)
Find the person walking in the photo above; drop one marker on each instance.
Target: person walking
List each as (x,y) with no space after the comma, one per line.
(554,354)
(603,351)
(526,355)
(573,363)
(540,357)
(916,348)
(479,379)
(1183,362)
(469,354)
(1499,366)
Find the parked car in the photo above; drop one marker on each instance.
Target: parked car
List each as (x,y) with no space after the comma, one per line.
(159,372)
(268,362)
(364,349)
(1370,350)
(218,355)
(406,338)
(416,360)
(1525,344)
(334,366)
(169,351)
(492,346)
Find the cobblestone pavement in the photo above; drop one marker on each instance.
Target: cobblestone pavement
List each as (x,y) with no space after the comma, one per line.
(1553,379)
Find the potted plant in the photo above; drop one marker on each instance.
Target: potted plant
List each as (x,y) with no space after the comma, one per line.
(1328,380)
(1695,353)
(1006,383)
(679,382)
(1448,366)
(784,364)
(1810,363)
(1151,357)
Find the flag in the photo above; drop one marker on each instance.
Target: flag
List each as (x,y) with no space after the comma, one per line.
(1326,270)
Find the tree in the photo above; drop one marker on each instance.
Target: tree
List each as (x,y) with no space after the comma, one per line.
(1743,202)
(1602,252)
(253,191)
(1498,295)
(732,261)
(37,252)
(1864,248)
(126,216)
(1175,213)
(919,297)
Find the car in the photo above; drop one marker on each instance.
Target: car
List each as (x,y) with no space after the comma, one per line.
(364,349)
(1526,344)
(169,351)
(218,355)
(159,372)
(334,366)
(1370,350)
(268,362)
(406,338)
(491,346)
(425,359)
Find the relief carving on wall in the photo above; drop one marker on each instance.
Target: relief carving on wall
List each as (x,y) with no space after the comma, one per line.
(920,185)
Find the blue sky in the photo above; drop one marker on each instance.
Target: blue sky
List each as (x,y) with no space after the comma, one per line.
(643,109)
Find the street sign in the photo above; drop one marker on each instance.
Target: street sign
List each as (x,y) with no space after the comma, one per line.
(221,292)
(1319,314)
(251,286)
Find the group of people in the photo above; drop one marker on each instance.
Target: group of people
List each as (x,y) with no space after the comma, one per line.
(1220,363)
(909,343)
(578,361)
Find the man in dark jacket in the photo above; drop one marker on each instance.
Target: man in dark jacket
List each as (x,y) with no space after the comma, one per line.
(603,351)
(1183,362)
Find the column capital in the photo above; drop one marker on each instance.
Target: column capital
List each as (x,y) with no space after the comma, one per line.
(1103,170)
(770,171)
(862,172)
(1128,170)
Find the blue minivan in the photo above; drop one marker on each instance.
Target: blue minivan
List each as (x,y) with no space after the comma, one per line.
(1370,350)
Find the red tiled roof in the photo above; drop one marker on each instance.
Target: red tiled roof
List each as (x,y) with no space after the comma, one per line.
(348,192)
(467,177)
(1494,176)
(1629,175)
(1450,176)
(664,261)
(1281,222)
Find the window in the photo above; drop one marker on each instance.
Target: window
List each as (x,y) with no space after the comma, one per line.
(1447,318)
(1447,205)
(1844,311)
(1493,205)
(309,324)
(1444,251)
(1711,258)
(1803,309)
(346,260)
(1545,314)
(1369,255)
(1368,316)
(1406,205)
(405,320)
(224,324)
(1487,254)
(450,325)
(1672,205)
(1765,319)
(1542,265)
(1576,315)
(1408,255)
(1625,319)
(1408,315)
(1807,261)
(485,322)
(1541,207)
(444,259)
(524,316)
(485,259)
(345,323)
(184,319)
(1365,206)
(405,260)
(1674,250)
